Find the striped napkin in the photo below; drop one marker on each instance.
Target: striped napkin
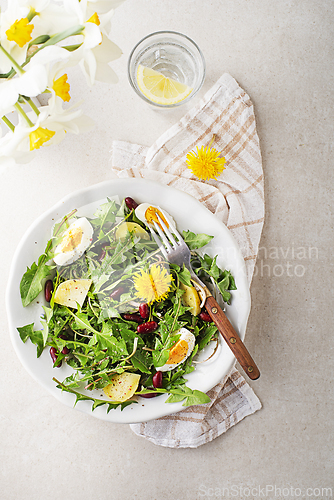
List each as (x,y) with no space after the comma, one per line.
(237,199)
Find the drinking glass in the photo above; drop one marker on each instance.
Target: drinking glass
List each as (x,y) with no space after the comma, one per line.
(172,54)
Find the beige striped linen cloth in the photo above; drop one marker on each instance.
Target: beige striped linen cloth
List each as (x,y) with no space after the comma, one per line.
(237,199)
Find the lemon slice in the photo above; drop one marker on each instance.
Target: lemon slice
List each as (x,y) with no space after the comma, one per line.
(160,89)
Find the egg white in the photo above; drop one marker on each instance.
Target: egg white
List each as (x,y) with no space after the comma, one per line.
(66,254)
(188,337)
(140,212)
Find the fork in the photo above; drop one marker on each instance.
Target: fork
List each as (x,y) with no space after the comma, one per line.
(178,252)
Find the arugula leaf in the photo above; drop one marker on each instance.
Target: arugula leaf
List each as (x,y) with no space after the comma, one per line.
(209,332)
(196,240)
(82,321)
(181,393)
(184,276)
(45,323)
(160,357)
(32,280)
(214,270)
(142,361)
(191,397)
(206,267)
(64,222)
(114,347)
(105,214)
(36,336)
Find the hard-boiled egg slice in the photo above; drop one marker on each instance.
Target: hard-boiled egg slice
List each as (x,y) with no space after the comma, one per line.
(180,351)
(148,214)
(75,240)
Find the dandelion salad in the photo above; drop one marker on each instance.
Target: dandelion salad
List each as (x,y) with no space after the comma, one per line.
(127,322)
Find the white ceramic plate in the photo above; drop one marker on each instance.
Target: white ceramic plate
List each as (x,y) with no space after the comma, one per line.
(188,214)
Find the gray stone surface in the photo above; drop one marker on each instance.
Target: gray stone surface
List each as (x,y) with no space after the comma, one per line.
(281,53)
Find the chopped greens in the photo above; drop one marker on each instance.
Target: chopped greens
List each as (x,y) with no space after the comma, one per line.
(108,335)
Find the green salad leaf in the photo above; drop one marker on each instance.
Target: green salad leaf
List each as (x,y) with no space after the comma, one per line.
(206,267)
(32,281)
(189,396)
(36,337)
(180,393)
(195,241)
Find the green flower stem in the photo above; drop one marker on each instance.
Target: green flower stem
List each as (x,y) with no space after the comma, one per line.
(76,30)
(23,114)
(16,66)
(212,139)
(72,48)
(32,105)
(31,14)
(8,123)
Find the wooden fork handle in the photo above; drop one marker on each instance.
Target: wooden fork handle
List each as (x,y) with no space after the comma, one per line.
(232,338)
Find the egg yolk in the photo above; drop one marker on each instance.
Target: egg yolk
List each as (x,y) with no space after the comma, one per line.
(152,214)
(72,240)
(178,352)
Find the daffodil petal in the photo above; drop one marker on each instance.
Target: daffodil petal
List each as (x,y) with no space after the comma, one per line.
(106,74)
(40,136)
(103,6)
(32,82)
(37,5)
(76,8)
(8,97)
(94,18)
(92,35)
(89,66)
(49,54)
(107,51)
(20,32)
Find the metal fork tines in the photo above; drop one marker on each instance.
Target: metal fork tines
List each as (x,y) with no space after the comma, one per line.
(175,251)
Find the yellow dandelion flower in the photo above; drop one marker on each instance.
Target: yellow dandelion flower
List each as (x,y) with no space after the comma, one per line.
(94,19)
(62,87)
(20,32)
(39,136)
(154,284)
(206,163)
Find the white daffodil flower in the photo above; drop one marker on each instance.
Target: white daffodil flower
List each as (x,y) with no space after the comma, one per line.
(94,61)
(56,60)
(24,21)
(95,64)
(10,151)
(34,79)
(96,50)
(15,33)
(21,23)
(32,62)
(48,55)
(37,5)
(50,128)
(70,120)
(31,83)
(102,6)
(49,17)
